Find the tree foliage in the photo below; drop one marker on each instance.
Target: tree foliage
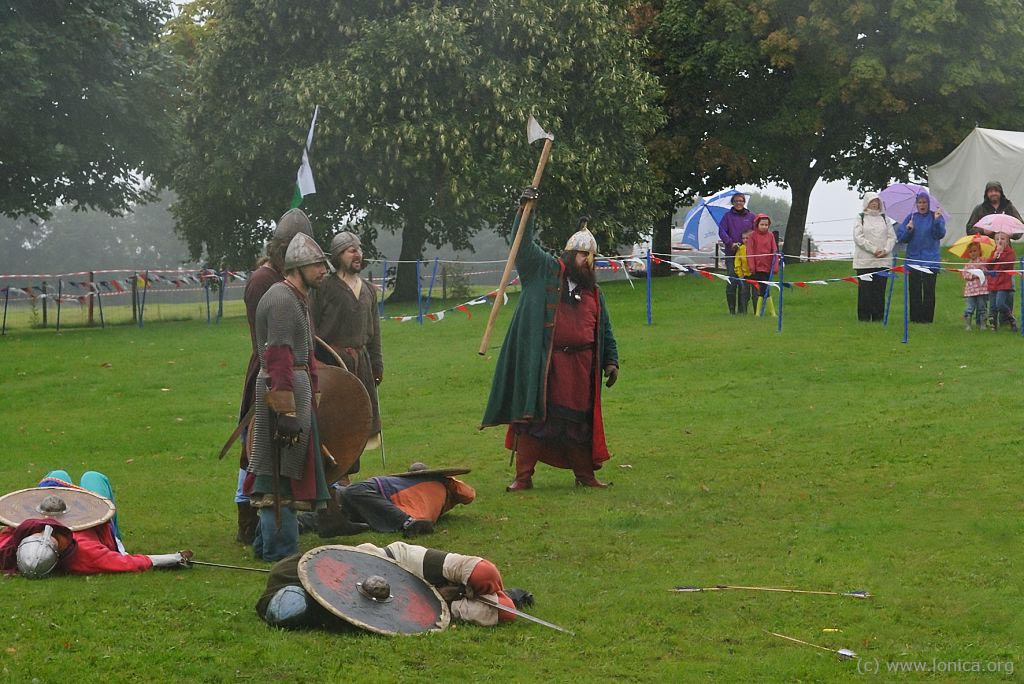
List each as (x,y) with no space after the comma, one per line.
(84,111)
(866,90)
(422,120)
(70,241)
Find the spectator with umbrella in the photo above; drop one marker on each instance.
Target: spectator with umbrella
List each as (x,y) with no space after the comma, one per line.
(873,242)
(921,231)
(994,202)
(1000,283)
(733,227)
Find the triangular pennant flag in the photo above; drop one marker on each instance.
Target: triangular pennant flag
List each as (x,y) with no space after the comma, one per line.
(304,184)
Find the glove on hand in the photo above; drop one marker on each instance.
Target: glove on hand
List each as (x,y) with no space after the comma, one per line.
(612,373)
(171,560)
(288,429)
(521,597)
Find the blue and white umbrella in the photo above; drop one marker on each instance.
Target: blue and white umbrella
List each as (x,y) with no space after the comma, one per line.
(700,227)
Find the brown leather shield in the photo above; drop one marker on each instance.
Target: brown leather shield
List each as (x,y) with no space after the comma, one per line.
(335,576)
(344,418)
(81,510)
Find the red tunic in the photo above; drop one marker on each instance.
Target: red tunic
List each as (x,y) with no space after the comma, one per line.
(95,552)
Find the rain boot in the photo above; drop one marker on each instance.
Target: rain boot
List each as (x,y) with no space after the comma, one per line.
(967,321)
(524,473)
(730,298)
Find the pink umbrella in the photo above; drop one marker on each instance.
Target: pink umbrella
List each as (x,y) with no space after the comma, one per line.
(1001,223)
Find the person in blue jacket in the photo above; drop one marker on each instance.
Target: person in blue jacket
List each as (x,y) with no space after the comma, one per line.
(921,231)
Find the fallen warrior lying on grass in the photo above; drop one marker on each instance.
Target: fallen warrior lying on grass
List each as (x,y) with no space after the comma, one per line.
(60,526)
(458,579)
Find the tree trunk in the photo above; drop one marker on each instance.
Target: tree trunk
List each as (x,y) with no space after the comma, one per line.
(800,188)
(661,238)
(414,236)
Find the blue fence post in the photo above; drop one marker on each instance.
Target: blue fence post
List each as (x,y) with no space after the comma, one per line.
(906,300)
(383,286)
(99,303)
(767,290)
(649,313)
(220,299)
(430,290)
(60,292)
(7,297)
(206,290)
(1020,292)
(782,271)
(419,291)
(888,298)
(142,305)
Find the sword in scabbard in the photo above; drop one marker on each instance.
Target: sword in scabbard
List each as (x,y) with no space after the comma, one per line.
(519,613)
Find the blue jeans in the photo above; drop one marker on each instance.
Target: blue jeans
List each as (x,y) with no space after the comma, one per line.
(977,306)
(1000,307)
(274,542)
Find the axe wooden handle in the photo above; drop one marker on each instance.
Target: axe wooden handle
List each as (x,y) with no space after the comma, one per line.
(514,251)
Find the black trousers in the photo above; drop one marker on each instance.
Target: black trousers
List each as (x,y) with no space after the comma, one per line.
(364,503)
(921,296)
(871,296)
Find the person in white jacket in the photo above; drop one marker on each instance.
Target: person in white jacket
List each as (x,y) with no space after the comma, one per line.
(873,242)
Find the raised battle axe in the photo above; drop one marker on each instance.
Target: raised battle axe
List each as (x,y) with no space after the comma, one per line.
(535,133)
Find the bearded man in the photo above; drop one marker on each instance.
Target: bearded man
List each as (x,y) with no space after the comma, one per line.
(345,316)
(285,467)
(547,383)
(293,222)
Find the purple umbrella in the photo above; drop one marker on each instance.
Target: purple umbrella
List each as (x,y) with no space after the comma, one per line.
(900,200)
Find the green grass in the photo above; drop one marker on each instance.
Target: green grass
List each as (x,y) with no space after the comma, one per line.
(830,456)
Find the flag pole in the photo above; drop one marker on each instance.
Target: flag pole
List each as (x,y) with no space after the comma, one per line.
(514,251)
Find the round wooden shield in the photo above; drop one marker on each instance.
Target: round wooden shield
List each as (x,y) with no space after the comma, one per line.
(433,472)
(83,508)
(344,418)
(333,575)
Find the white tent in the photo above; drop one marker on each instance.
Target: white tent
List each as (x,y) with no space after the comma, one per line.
(958,181)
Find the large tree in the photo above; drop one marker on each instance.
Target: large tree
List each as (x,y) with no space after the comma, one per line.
(423,108)
(84,113)
(797,92)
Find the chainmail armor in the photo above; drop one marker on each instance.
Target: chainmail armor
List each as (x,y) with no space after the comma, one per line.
(282,320)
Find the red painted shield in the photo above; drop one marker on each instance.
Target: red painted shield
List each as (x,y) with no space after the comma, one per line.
(333,576)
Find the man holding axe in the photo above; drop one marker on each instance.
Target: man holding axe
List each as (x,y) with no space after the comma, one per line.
(547,383)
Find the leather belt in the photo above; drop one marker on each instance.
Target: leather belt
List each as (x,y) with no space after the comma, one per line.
(574,348)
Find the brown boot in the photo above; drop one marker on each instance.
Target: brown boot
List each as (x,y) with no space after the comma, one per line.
(333,521)
(583,469)
(524,474)
(248,515)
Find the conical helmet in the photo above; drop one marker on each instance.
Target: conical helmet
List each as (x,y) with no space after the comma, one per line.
(37,554)
(291,223)
(303,251)
(343,241)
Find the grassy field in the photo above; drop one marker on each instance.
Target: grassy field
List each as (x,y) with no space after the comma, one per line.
(830,456)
